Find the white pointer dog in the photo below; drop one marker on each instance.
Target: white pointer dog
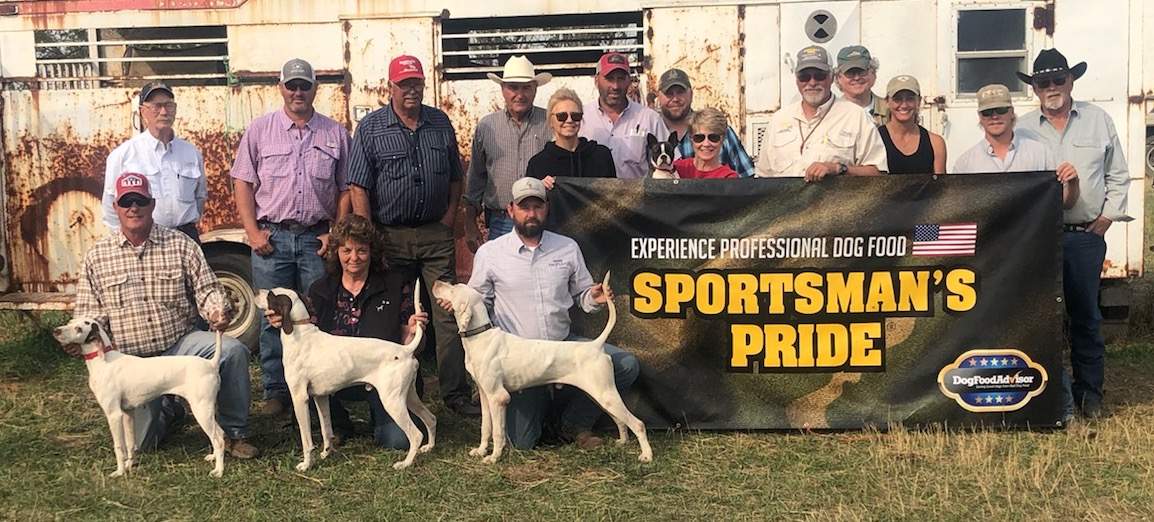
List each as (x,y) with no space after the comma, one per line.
(501,363)
(123,382)
(321,364)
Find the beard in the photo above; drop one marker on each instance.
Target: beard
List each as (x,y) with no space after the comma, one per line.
(815,98)
(530,228)
(1053,104)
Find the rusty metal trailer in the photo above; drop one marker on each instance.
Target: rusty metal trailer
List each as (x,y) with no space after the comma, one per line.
(70,71)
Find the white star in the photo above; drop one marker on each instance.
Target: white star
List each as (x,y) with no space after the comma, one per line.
(1005,362)
(985,362)
(998,399)
(971,362)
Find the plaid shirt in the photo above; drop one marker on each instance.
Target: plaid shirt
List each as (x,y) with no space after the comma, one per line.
(140,294)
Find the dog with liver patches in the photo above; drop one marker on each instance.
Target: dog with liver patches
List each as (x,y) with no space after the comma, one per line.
(122,382)
(319,364)
(502,363)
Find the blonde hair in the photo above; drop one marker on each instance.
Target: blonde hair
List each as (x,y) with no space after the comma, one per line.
(564,94)
(709,120)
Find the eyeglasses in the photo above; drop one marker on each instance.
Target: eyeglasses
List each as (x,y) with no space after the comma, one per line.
(713,138)
(133,200)
(805,77)
(153,106)
(564,116)
(410,86)
(855,73)
(997,110)
(1045,84)
(298,86)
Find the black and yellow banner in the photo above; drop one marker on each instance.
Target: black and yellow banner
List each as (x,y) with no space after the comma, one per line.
(771,303)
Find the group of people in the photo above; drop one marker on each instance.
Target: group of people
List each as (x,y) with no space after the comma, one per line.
(352,221)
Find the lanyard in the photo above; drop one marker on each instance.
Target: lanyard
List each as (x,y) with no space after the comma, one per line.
(806,136)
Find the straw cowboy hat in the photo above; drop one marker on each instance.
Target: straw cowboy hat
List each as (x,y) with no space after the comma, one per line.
(520,70)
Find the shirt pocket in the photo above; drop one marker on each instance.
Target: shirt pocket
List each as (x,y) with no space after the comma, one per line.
(168,287)
(394,161)
(122,290)
(324,160)
(276,161)
(187,179)
(632,149)
(1088,156)
(840,147)
(785,142)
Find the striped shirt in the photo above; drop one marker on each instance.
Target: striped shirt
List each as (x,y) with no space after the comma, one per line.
(732,153)
(530,290)
(408,173)
(175,173)
(501,152)
(141,294)
(625,137)
(298,174)
(1025,155)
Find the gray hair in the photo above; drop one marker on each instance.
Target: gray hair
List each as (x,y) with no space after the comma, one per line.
(564,94)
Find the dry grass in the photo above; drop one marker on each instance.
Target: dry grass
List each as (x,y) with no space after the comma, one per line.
(54,446)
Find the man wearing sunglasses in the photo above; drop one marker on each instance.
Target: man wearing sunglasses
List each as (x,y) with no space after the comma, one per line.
(405,174)
(136,283)
(675,98)
(619,124)
(857,72)
(173,166)
(1084,135)
(288,181)
(502,145)
(821,135)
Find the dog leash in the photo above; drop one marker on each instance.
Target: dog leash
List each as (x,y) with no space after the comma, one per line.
(477,330)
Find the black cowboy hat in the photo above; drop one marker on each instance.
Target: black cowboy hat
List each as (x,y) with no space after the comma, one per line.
(1050,62)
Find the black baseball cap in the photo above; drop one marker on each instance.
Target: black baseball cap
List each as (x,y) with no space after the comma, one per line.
(152,87)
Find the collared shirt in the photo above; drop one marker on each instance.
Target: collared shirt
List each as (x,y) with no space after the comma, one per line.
(878,109)
(732,153)
(141,293)
(175,173)
(839,132)
(1025,155)
(408,173)
(297,174)
(501,153)
(1090,143)
(626,137)
(530,290)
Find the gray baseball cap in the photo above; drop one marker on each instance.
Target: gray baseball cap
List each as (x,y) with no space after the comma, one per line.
(674,77)
(152,87)
(297,69)
(812,57)
(528,188)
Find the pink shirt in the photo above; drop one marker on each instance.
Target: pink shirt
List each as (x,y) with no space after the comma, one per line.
(687,170)
(297,174)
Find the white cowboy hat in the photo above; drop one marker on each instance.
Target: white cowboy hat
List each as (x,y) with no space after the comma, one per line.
(520,70)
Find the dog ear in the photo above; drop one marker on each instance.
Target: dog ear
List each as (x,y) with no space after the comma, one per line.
(673,139)
(282,305)
(650,140)
(465,313)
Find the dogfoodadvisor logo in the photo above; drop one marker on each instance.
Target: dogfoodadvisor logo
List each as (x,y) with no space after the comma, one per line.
(993,380)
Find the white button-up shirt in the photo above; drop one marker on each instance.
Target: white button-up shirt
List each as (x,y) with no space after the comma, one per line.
(1025,155)
(840,131)
(175,175)
(625,137)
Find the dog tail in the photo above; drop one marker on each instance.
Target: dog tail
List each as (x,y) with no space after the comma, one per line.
(412,346)
(612,313)
(216,352)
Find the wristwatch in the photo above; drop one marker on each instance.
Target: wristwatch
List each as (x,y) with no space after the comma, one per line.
(842,168)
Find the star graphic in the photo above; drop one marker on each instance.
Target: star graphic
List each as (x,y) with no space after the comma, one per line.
(985,362)
(971,361)
(998,399)
(1005,362)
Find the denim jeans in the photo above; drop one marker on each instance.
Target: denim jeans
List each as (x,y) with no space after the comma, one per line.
(151,424)
(529,408)
(499,223)
(386,433)
(293,264)
(1083,254)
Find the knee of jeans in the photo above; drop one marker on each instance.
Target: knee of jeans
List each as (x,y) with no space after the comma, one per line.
(526,439)
(626,369)
(390,437)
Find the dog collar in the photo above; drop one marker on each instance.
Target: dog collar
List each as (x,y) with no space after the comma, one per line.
(102,350)
(300,322)
(477,330)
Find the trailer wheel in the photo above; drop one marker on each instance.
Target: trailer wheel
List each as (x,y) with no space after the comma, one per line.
(234,270)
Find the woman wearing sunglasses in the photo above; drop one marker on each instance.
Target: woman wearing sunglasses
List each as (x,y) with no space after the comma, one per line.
(568,155)
(706,131)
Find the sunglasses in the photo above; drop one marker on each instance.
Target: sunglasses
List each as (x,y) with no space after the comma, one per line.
(133,200)
(997,110)
(298,86)
(713,138)
(1045,84)
(564,116)
(805,77)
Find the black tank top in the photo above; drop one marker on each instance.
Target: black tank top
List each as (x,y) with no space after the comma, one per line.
(920,162)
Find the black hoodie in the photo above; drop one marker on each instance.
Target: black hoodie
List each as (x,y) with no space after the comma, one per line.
(590,160)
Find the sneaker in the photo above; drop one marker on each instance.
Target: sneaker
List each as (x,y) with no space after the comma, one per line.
(586,440)
(240,449)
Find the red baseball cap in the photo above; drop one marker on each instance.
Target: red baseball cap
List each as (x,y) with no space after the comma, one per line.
(132,183)
(612,61)
(404,67)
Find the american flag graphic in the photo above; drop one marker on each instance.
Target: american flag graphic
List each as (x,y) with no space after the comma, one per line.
(955,239)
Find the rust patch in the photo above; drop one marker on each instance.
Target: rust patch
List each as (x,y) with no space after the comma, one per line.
(34,222)
(1044,18)
(218,149)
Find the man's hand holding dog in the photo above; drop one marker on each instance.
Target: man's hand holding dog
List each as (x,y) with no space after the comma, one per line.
(218,320)
(418,319)
(72,349)
(600,293)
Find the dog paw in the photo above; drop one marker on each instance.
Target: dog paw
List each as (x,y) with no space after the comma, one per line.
(491,459)
(303,466)
(325,453)
(117,473)
(425,449)
(217,473)
(645,458)
(129,464)
(401,465)
(210,457)
(478,452)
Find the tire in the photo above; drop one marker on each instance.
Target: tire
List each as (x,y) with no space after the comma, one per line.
(234,270)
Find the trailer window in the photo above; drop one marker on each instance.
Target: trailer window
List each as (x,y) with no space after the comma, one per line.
(565,45)
(130,57)
(991,47)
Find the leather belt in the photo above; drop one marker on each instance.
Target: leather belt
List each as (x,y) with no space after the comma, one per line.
(297,227)
(1075,227)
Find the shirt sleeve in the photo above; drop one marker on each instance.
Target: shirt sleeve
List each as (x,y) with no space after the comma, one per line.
(580,282)
(360,169)
(658,127)
(739,160)
(1117,177)
(108,198)
(478,173)
(201,184)
(455,171)
(479,280)
(342,173)
(244,167)
(869,149)
(763,160)
(90,295)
